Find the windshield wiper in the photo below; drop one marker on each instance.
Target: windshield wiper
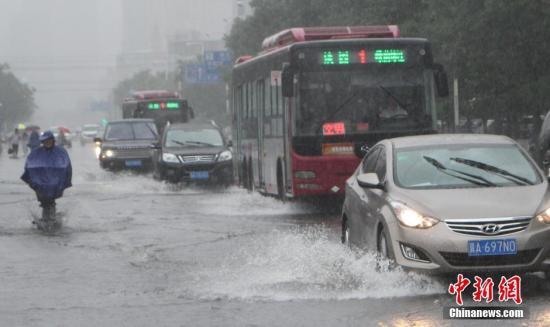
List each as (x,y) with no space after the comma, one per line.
(340,107)
(391,95)
(474,179)
(191,143)
(495,170)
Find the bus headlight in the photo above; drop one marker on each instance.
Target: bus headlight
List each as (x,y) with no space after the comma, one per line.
(225,156)
(170,157)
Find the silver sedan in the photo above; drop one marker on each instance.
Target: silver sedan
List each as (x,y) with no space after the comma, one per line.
(447,203)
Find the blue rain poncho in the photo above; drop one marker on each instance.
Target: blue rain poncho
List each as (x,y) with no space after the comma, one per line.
(48,172)
(34,142)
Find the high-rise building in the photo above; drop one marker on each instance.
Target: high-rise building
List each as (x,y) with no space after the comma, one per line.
(158,33)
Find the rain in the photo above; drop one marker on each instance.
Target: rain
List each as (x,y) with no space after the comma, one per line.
(157,245)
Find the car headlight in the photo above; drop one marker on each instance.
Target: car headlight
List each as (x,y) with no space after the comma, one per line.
(225,156)
(109,153)
(411,218)
(170,157)
(544,217)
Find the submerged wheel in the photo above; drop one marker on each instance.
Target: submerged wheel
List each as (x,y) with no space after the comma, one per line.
(243,180)
(345,232)
(281,194)
(383,247)
(250,177)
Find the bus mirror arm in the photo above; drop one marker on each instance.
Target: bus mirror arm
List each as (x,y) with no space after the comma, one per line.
(441,81)
(287,81)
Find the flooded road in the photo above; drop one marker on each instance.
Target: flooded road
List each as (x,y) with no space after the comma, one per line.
(137,252)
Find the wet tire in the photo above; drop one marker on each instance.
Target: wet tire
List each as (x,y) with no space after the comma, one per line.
(385,252)
(345,232)
(281,194)
(250,178)
(383,247)
(158,175)
(244,172)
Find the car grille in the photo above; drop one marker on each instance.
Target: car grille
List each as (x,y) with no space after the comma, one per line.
(488,226)
(198,159)
(464,260)
(132,152)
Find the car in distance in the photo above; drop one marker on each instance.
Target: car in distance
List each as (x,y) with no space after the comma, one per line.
(447,203)
(193,152)
(88,133)
(126,144)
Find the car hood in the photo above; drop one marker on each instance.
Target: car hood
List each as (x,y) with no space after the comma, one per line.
(193,151)
(127,144)
(487,202)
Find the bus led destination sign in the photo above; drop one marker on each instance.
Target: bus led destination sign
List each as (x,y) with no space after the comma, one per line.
(171,105)
(362,56)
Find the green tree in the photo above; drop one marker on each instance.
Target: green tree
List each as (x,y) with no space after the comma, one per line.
(497,49)
(16,97)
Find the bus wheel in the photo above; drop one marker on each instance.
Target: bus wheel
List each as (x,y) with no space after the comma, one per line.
(250,177)
(280,183)
(243,179)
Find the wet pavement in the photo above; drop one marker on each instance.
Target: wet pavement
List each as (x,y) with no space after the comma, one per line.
(137,252)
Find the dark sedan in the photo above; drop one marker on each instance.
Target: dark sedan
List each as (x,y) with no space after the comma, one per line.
(193,153)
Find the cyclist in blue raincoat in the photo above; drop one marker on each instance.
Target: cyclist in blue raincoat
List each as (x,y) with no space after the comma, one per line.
(48,172)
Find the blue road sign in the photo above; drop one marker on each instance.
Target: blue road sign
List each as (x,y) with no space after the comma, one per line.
(201,74)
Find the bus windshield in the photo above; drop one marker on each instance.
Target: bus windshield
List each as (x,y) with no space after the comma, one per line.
(339,102)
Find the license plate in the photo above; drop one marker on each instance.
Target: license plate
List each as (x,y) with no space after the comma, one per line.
(492,247)
(133,163)
(199,175)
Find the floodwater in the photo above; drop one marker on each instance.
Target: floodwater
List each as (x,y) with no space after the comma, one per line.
(137,252)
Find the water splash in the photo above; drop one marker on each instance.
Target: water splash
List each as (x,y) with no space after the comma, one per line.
(306,264)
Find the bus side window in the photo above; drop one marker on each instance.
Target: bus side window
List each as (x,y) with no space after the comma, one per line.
(267,107)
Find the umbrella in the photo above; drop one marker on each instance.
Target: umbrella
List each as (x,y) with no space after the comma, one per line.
(32,127)
(64,129)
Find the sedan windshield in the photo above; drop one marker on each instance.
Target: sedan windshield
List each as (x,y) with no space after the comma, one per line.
(463,166)
(131,131)
(198,137)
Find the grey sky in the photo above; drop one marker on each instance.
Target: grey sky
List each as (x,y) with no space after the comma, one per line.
(67,49)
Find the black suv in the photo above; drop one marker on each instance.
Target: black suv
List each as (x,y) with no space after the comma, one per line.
(127,144)
(193,152)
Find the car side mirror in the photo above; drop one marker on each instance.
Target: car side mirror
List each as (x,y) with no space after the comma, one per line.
(369,180)
(229,143)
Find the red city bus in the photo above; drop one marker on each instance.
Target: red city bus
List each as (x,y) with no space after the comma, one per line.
(306,109)
(162,106)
